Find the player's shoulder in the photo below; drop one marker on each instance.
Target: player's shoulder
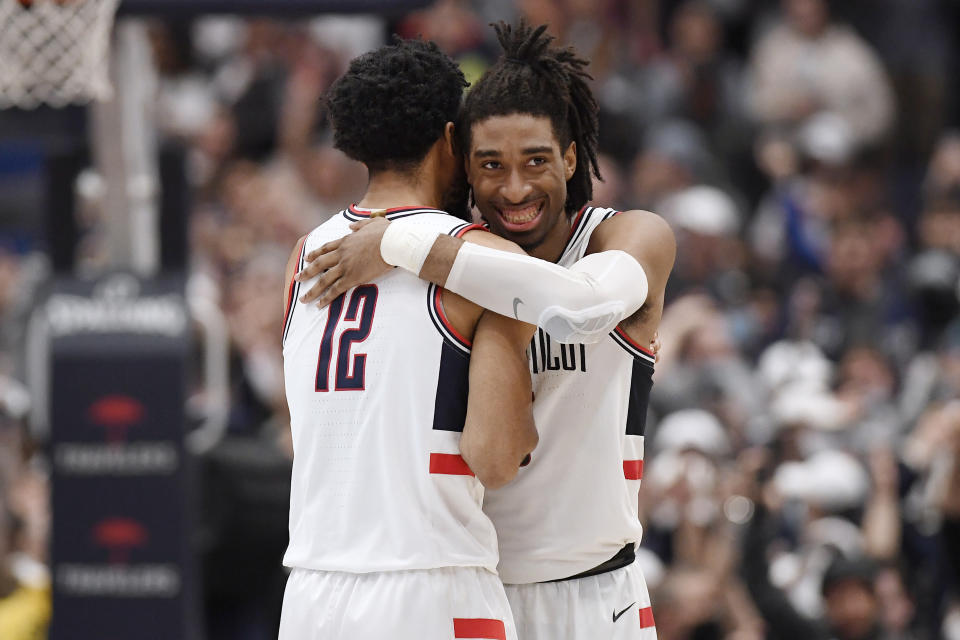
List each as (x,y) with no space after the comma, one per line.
(632,220)
(333,227)
(428,217)
(439,221)
(640,233)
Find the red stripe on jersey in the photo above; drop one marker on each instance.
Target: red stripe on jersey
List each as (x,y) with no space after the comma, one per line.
(486,628)
(633,469)
(293,282)
(438,305)
(633,343)
(646,618)
(576,221)
(357,211)
(450,464)
(472,227)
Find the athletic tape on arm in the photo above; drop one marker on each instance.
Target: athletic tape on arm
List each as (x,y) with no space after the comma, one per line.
(580,304)
(406,246)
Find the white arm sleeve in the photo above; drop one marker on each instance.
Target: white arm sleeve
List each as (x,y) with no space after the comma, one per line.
(580,304)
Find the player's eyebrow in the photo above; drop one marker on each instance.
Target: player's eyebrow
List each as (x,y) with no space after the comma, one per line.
(493,153)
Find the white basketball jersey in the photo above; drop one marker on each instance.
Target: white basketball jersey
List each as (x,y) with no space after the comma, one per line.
(575,505)
(377,388)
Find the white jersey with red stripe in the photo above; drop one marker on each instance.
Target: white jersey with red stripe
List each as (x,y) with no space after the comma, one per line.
(377,388)
(575,505)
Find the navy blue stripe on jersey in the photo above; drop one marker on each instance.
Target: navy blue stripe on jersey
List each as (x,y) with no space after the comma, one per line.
(457,232)
(453,386)
(641,381)
(354,214)
(294,293)
(439,318)
(621,338)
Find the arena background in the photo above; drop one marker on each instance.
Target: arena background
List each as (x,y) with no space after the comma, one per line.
(803,465)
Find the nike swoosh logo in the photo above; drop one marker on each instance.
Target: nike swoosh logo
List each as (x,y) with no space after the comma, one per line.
(516,302)
(616,616)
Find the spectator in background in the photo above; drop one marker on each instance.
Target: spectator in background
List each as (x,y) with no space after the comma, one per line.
(24,604)
(710,254)
(457,30)
(853,606)
(696,79)
(806,64)
(24,521)
(675,155)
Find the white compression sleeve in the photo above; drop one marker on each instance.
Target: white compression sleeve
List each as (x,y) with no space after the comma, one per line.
(580,304)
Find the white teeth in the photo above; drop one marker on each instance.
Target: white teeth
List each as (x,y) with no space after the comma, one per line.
(521,215)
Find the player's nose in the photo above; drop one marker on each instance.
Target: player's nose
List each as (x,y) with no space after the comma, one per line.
(515,189)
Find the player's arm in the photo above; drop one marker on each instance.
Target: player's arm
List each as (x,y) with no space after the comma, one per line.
(582,303)
(648,239)
(499,430)
(289,273)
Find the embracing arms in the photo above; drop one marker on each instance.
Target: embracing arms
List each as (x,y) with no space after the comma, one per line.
(630,256)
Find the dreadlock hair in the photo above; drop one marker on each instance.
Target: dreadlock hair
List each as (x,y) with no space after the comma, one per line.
(393,103)
(532,77)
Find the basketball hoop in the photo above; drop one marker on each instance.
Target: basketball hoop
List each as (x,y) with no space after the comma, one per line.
(54,51)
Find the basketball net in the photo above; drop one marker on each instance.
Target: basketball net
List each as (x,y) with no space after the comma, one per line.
(54,51)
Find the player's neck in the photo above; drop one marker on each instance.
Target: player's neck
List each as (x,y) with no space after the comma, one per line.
(389,189)
(554,243)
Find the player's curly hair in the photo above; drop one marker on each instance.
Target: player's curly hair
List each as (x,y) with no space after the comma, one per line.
(533,77)
(393,103)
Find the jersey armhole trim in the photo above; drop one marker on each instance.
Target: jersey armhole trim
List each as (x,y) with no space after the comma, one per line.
(577,227)
(293,291)
(630,346)
(440,321)
(459,232)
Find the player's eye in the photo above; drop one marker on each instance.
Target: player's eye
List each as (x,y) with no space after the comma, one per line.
(536,161)
(490,164)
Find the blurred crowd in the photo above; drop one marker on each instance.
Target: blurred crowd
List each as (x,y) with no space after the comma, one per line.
(803,474)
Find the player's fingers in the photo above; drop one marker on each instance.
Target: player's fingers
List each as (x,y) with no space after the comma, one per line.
(333,245)
(360,224)
(323,282)
(334,290)
(317,266)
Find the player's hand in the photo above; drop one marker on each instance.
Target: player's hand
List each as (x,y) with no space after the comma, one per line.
(655,345)
(345,263)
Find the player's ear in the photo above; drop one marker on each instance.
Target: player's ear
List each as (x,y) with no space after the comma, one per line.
(570,160)
(451,139)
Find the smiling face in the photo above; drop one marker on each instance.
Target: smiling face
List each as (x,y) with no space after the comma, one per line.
(519,174)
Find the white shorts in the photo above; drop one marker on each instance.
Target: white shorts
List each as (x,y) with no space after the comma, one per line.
(429,604)
(610,606)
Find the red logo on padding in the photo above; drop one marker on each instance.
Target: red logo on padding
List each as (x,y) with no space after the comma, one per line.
(120,535)
(116,413)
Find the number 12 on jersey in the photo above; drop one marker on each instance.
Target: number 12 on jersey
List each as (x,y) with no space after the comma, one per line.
(363,300)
